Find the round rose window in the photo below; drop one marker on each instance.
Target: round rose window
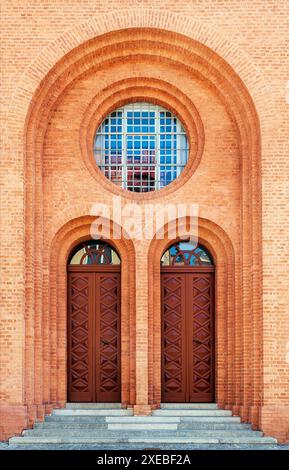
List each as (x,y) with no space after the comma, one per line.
(141,147)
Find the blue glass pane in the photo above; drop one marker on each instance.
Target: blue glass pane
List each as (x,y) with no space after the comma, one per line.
(150,137)
(187,253)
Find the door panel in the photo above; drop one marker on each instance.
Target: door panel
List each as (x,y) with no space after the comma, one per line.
(200,337)
(108,359)
(80,332)
(173,331)
(187,336)
(94,336)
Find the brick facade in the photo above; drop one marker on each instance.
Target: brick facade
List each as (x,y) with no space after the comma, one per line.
(221,67)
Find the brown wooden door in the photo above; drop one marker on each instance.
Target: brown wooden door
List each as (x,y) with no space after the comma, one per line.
(93,334)
(187,335)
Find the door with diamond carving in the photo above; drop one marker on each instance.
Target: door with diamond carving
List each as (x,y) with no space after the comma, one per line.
(94,333)
(187,334)
(107,354)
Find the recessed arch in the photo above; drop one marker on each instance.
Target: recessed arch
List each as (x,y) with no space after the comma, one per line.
(65,242)
(227,297)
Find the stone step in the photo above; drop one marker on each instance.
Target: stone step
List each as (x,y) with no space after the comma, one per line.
(113,425)
(192,413)
(30,440)
(189,406)
(143,419)
(56,425)
(107,426)
(146,432)
(102,419)
(142,426)
(211,419)
(75,419)
(92,412)
(211,426)
(92,406)
(104,425)
(232,420)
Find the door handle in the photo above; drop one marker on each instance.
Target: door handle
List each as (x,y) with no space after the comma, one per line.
(104,342)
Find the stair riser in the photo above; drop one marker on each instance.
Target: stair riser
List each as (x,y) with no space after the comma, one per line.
(210,419)
(142,427)
(189,406)
(144,433)
(92,406)
(51,426)
(143,419)
(66,412)
(205,413)
(209,426)
(67,440)
(184,426)
(75,419)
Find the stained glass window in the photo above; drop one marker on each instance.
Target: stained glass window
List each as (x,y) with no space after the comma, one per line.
(186,254)
(94,252)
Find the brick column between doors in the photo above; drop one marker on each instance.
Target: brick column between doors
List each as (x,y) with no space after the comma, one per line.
(142,406)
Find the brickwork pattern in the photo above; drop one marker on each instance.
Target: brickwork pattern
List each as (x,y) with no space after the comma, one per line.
(221,66)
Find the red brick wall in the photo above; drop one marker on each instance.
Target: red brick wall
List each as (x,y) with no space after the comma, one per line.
(227,74)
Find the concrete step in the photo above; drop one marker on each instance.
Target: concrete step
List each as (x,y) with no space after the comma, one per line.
(214,426)
(149,431)
(189,412)
(189,406)
(92,406)
(112,425)
(143,419)
(54,425)
(142,426)
(92,412)
(100,419)
(231,420)
(29,440)
(211,419)
(75,419)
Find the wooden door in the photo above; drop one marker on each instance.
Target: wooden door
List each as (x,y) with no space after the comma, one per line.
(187,334)
(93,334)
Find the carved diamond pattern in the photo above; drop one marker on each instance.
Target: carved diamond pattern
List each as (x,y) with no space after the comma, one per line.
(187,338)
(109,334)
(172,353)
(79,334)
(202,347)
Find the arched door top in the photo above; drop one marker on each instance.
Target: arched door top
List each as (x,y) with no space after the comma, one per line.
(94,253)
(187,255)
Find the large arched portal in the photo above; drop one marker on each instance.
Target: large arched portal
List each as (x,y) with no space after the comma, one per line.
(93,366)
(187,292)
(143,65)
